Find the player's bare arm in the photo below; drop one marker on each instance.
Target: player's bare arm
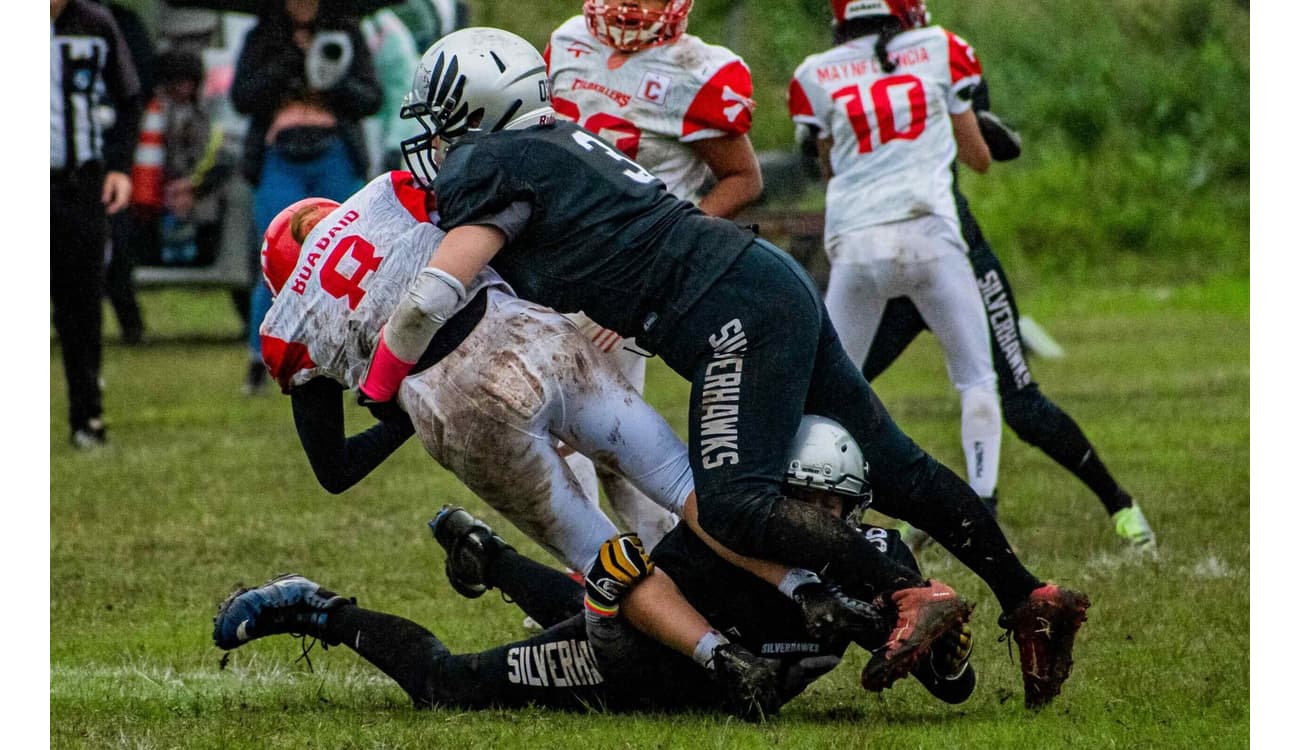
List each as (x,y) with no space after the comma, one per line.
(972,150)
(735,165)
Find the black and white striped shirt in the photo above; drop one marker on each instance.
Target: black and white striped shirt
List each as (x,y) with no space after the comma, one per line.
(94,90)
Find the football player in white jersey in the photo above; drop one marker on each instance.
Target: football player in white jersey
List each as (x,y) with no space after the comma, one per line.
(627,71)
(494,396)
(501,382)
(891,107)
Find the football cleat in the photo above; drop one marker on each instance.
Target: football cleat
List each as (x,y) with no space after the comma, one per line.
(470,546)
(925,615)
(947,672)
(1131,525)
(1044,626)
(285,604)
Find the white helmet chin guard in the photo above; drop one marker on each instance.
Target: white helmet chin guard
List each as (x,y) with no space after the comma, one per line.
(824,456)
(476,79)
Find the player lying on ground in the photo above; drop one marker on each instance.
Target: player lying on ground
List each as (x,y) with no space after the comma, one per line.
(502,382)
(573,224)
(594,660)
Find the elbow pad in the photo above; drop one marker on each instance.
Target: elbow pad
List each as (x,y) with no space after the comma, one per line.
(432,299)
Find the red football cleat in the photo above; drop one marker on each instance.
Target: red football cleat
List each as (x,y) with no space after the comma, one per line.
(1044,627)
(925,614)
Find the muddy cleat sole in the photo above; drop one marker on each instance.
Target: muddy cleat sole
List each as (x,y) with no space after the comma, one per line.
(1131,526)
(470,545)
(1044,627)
(925,615)
(285,604)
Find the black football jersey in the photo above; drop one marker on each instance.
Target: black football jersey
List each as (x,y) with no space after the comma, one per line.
(602,234)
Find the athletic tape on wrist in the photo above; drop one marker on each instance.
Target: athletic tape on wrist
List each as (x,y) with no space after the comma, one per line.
(386,372)
(796,578)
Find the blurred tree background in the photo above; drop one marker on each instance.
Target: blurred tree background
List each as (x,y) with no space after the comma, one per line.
(1135,118)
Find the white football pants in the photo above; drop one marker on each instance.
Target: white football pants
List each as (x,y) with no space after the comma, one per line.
(494,410)
(923,259)
(637,512)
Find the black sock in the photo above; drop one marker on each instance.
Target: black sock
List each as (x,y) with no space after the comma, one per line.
(545,594)
(404,651)
(1041,423)
(947,509)
(805,536)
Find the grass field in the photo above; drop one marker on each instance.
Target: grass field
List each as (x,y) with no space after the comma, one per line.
(202,488)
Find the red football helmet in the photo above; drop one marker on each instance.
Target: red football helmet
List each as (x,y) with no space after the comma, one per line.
(627,27)
(911,12)
(279,249)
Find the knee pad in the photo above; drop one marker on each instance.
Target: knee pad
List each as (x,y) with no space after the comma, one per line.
(980,411)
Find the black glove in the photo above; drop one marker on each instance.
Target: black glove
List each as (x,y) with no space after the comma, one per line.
(1002,139)
(750,684)
(829,612)
(384,411)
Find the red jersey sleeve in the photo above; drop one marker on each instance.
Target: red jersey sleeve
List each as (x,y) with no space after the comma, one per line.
(285,359)
(546,55)
(797,101)
(724,103)
(962,62)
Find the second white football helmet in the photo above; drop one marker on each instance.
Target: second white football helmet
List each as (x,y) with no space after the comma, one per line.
(824,456)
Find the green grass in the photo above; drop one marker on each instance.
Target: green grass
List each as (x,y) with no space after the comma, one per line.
(202,488)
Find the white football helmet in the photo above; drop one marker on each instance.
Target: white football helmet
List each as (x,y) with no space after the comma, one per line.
(824,456)
(475,79)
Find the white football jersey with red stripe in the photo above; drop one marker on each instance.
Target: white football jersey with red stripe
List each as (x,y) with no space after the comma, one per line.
(893,142)
(652,103)
(354,267)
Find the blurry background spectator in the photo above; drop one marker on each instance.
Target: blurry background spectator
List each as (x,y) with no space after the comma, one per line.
(178,170)
(306,79)
(396,55)
(94,112)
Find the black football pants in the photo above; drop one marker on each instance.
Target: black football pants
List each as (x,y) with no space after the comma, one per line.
(78,230)
(760,351)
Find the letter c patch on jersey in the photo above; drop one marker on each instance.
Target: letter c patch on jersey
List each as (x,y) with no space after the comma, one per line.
(654,88)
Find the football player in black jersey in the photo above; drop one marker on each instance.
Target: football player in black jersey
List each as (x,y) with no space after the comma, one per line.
(584,662)
(573,224)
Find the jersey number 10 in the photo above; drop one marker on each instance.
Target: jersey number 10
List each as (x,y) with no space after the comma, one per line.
(883,108)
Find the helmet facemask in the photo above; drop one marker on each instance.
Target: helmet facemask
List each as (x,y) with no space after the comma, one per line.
(629,28)
(471,80)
